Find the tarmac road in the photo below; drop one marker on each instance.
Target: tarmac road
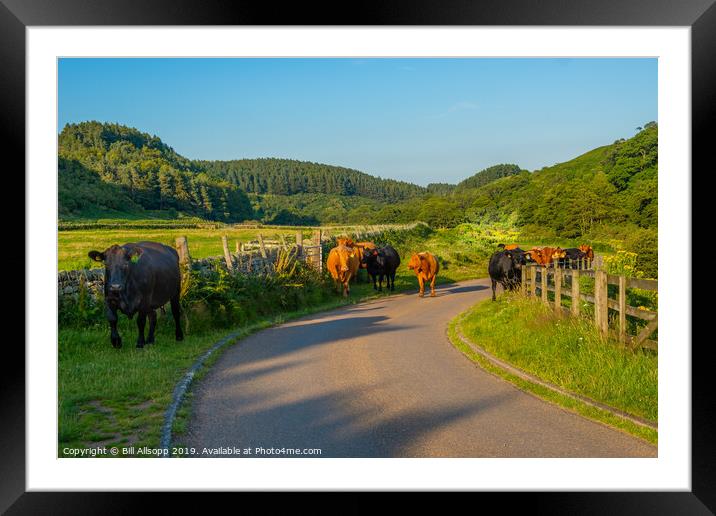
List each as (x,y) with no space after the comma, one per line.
(381,379)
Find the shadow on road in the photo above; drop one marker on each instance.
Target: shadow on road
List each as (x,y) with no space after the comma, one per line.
(342,424)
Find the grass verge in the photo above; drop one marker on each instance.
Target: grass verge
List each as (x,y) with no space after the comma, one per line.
(566,352)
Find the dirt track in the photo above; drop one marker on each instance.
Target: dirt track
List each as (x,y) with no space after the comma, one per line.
(381,379)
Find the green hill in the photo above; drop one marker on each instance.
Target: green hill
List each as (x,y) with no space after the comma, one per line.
(288,177)
(124,171)
(109,170)
(614,186)
(489,175)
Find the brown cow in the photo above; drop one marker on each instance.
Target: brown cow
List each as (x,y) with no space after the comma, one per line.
(545,255)
(588,251)
(342,264)
(426,268)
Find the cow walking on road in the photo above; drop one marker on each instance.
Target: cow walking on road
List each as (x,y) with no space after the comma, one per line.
(342,264)
(426,268)
(505,268)
(382,262)
(139,278)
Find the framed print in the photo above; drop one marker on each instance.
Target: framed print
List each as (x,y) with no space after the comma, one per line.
(419,250)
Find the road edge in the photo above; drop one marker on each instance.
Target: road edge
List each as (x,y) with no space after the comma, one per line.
(545,391)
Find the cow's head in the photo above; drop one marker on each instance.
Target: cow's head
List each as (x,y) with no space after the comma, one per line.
(369,255)
(516,259)
(416,262)
(558,253)
(118,264)
(344,255)
(588,251)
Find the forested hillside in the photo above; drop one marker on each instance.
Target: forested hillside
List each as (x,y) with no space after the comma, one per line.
(288,177)
(612,186)
(112,169)
(109,169)
(489,175)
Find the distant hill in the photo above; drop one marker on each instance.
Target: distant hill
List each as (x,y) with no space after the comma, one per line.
(609,187)
(287,177)
(136,172)
(117,171)
(489,175)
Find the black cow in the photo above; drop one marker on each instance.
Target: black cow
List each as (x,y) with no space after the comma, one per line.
(571,260)
(139,278)
(505,268)
(382,262)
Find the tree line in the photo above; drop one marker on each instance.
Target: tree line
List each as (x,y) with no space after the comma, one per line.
(287,177)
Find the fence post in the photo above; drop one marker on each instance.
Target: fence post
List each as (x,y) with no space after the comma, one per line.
(183,251)
(533,281)
(545,272)
(622,309)
(227,254)
(601,310)
(299,243)
(575,292)
(557,291)
(317,237)
(523,287)
(238,247)
(262,247)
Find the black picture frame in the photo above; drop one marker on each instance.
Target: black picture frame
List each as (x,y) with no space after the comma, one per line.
(16,15)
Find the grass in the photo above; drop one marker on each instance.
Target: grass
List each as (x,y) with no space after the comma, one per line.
(74,245)
(566,352)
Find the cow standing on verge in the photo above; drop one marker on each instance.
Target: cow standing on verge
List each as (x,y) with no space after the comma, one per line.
(382,262)
(342,264)
(139,278)
(426,268)
(505,268)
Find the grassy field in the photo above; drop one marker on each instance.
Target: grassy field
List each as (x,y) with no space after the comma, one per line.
(73,246)
(569,353)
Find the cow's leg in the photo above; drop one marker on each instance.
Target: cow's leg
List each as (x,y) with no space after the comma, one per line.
(176,312)
(152,326)
(421,282)
(494,286)
(375,285)
(392,282)
(141,322)
(380,281)
(115,339)
(432,286)
(346,288)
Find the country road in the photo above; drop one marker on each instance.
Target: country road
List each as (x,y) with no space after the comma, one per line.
(381,379)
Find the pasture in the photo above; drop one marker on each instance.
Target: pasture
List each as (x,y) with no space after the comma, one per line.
(73,246)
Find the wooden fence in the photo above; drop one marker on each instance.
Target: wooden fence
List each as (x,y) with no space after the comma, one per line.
(565,283)
(310,251)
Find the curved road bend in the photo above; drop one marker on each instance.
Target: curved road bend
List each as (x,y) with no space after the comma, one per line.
(381,379)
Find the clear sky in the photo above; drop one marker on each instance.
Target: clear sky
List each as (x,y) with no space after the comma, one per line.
(419,120)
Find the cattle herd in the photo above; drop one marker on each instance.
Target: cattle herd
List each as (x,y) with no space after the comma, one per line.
(144,276)
(506,263)
(347,257)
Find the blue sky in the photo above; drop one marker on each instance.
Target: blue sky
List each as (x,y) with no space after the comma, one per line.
(419,120)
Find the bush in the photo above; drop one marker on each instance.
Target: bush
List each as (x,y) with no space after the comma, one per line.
(645,243)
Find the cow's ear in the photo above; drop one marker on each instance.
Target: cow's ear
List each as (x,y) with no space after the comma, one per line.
(375,252)
(96,256)
(135,253)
